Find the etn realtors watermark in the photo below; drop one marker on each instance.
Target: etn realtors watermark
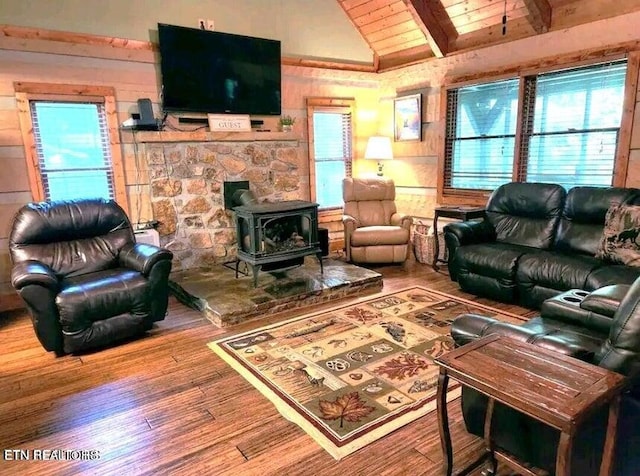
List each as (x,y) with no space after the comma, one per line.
(49,455)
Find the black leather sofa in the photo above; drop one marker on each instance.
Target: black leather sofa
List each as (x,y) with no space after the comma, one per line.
(602,328)
(84,279)
(535,242)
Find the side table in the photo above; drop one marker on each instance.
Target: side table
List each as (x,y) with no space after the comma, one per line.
(555,389)
(459,213)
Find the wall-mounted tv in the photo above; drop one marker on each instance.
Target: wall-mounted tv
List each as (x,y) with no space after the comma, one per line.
(214,72)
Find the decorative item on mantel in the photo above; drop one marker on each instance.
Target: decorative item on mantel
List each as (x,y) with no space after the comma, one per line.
(229,122)
(286,123)
(379,148)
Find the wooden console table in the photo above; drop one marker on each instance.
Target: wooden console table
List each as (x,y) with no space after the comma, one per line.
(555,389)
(459,213)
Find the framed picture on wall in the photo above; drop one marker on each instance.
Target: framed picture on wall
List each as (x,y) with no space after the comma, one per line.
(407,118)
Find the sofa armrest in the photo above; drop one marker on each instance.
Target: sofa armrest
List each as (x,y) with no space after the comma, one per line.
(349,221)
(142,257)
(563,346)
(470,232)
(605,300)
(350,224)
(30,272)
(469,327)
(458,234)
(401,219)
(38,286)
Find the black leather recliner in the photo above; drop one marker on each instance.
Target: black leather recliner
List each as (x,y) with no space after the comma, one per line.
(84,279)
(535,242)
(604,332)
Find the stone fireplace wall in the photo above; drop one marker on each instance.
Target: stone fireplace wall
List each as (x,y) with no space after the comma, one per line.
(186,191)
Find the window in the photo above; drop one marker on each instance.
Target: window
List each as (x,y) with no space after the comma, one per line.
(71,152)
(571,137)
(72,144)
(559,127)
(481,131)
(330,132)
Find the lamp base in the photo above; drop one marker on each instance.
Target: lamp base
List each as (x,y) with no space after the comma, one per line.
(380,169)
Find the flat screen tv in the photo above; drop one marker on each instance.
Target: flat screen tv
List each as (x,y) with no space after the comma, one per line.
(214,72)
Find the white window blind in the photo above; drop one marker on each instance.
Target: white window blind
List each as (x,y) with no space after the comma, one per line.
(571,131)
(480,135)
(72,144)
(332,146)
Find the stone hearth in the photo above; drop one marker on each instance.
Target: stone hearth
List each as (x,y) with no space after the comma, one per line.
(227,301)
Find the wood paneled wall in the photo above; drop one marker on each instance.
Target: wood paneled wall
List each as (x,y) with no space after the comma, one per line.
(416,175)
(134,73)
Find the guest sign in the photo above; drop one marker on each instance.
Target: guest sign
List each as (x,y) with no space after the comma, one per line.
(229,123)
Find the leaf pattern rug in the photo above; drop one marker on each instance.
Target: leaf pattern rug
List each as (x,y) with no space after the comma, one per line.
(352,374)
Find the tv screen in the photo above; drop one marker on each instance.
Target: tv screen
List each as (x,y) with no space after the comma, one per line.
(214,72)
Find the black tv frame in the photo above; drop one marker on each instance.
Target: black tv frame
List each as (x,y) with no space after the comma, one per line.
(214,72)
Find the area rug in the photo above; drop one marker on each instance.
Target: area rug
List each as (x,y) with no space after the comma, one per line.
(352,374)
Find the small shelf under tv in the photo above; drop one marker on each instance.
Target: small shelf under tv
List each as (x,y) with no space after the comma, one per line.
(205,136)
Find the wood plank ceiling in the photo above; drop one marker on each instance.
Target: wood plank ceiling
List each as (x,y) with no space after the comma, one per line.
(402,32)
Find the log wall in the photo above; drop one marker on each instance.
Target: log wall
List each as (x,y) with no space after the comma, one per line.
(134,73)
(416,172)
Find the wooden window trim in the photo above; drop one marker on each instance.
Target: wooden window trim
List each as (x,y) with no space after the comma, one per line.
(319,103)
(479,197)
(623,149)
(26,92)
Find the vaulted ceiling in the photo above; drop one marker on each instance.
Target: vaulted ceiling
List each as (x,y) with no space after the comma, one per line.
(402,32)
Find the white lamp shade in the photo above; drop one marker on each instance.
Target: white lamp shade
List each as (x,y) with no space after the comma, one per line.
(379,148)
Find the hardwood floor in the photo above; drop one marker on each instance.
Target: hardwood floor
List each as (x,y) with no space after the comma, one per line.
(166,404)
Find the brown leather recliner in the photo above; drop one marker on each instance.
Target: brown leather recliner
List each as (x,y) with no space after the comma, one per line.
(374,231)
(85,280)
(602,328)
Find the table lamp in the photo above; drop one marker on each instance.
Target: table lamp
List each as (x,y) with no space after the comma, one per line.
(379,148)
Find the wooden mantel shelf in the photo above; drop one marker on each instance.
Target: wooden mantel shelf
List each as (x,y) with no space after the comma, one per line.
(205,136)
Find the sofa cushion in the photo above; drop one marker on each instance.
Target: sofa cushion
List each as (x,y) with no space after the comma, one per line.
(370,201)
(496,260)
(620,239)
(526,214)
(379,235)
(101,295)
(544,274)
(489,269)
(611,274)
(71,237)
(583,217)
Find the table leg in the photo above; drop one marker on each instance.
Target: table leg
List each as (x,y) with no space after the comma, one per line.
(443,422)
(563,459)
(606,466)
(488,418)
(436,251)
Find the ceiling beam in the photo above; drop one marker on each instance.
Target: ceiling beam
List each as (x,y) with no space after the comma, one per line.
(400,59)
(539,14)
(435,23)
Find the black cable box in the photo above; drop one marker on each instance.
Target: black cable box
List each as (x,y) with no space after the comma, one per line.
(151,126)
(137,125)
(193,120)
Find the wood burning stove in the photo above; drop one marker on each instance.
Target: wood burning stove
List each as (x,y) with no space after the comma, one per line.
(275,236)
